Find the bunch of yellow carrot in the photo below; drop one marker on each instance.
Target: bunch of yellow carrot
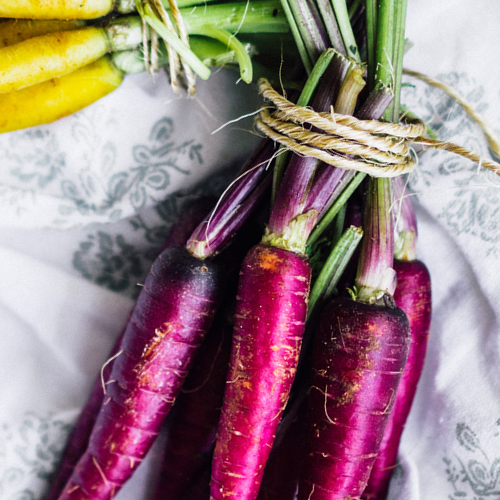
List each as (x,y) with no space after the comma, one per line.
(54,61)
(37,87)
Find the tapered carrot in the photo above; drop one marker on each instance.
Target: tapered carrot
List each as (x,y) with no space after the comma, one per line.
(193,424)
(59,97)
(360,350)
(56,9)
(52,55)
(272,305)
(173,312)
(360,354)
(79,438)
(413,296)
(271,308)
(41,58)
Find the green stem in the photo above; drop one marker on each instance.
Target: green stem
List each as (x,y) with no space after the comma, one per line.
(384,71)
(331,25)
(334,267)
(301,47)
(308,22)
(344,23)
(371,40)
(266,16)
(375,276)
(399,50)
(338,225)
(210,52)
(312,81)
(232,43)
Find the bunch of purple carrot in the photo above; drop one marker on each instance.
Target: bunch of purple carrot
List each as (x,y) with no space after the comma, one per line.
(282,368)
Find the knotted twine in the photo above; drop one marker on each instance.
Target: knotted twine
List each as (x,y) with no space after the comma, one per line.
(377,148)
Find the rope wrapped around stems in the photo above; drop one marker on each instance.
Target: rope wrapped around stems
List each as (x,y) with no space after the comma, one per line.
(377,148)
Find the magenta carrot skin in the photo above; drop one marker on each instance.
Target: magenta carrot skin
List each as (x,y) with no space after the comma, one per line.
(271,308)
(359,354)
(79,437)
(192,426)
(413,295)
(174,310)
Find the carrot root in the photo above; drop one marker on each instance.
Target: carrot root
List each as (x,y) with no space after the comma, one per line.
(359,355)
(174,310)
(269,323)
(414,298)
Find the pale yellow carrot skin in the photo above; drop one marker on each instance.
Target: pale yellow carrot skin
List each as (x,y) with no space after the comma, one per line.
(49,56)
(13,31)
(58,97)
(55,9)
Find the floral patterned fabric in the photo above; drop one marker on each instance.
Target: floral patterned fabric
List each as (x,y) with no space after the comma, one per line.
(86,202)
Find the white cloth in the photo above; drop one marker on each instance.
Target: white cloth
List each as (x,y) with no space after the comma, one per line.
(85,202)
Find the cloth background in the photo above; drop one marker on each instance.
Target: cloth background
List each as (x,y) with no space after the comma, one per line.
(85,203)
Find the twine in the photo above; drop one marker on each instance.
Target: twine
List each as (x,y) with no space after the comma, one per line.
(377,148)
(488,132)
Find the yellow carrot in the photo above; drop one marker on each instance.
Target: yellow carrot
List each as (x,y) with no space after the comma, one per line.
(58,97)
(41,58)
(55,9)
(13,31)
(53,55)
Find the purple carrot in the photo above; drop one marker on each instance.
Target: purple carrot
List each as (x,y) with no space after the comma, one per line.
(79,437)
(192,426)
(272,305)
(413,296)
(358,360)
(360,350)
(174,310)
